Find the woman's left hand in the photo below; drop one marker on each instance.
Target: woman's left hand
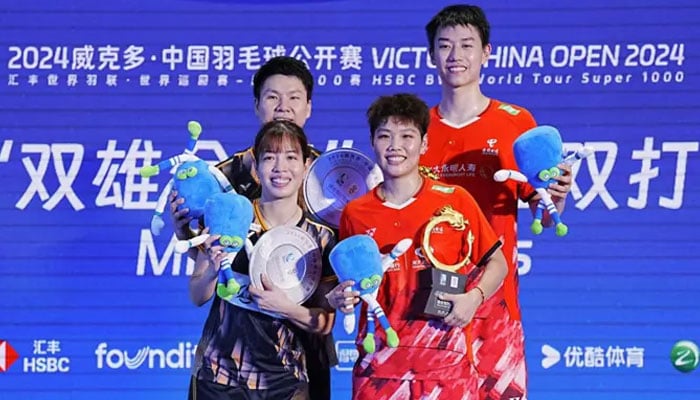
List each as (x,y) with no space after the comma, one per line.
(270,297)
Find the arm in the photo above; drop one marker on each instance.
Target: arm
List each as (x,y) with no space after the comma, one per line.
(494,273)
(181,221)
(487,255)
(317,320)
(464,305)
(203,280)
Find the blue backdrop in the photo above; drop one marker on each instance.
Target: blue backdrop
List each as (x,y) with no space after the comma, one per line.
(96,307)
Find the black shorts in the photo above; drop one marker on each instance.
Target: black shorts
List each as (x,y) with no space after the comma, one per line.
(205,390)
(320,357)
(319,381)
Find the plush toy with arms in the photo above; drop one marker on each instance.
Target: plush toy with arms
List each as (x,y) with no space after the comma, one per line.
(357,258)
(538,152)
(194,179)
(229,215)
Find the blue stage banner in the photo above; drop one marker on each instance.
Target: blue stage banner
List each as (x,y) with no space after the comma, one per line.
(95,306)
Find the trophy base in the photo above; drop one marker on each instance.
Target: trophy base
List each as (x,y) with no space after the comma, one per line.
(439,281)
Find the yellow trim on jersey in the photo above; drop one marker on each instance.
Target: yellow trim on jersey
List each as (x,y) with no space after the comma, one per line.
(320,225)
(259,216)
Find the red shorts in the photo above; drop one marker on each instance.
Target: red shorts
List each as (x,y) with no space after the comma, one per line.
(499,356)
(367,388)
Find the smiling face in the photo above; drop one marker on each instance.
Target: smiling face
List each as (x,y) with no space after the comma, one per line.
(283,97)
(459,54)
(397,146)
(280,166)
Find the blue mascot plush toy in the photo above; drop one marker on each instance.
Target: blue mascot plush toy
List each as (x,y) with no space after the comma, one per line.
(538,152)
(357,258)
(229,215)
(194,179)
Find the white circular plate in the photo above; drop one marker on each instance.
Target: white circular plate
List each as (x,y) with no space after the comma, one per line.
(291,259)
(336,177)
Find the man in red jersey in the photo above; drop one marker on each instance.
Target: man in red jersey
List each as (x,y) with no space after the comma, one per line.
(470,137)
(433,359)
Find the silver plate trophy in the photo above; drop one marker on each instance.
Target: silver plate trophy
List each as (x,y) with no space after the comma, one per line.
(336,177)
(291,259)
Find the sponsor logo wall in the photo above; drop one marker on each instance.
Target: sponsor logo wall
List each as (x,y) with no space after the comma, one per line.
(96,306)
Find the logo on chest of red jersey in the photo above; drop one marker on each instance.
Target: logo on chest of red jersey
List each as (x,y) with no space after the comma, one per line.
(419,261)
(490,149)
(454,170)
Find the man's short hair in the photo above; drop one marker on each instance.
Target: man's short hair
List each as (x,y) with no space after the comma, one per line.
(283,65)
(458,15)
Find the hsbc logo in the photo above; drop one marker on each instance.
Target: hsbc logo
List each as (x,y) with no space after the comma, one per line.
(177,357)
(8,355)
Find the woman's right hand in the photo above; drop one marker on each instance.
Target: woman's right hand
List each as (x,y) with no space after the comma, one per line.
(181,221)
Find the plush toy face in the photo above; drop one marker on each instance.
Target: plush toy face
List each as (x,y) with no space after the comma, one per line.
(229,215)
(537,153)
(195,184)
(357,258)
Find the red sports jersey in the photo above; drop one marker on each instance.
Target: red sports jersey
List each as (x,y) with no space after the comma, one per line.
(429,349)
(468,156)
